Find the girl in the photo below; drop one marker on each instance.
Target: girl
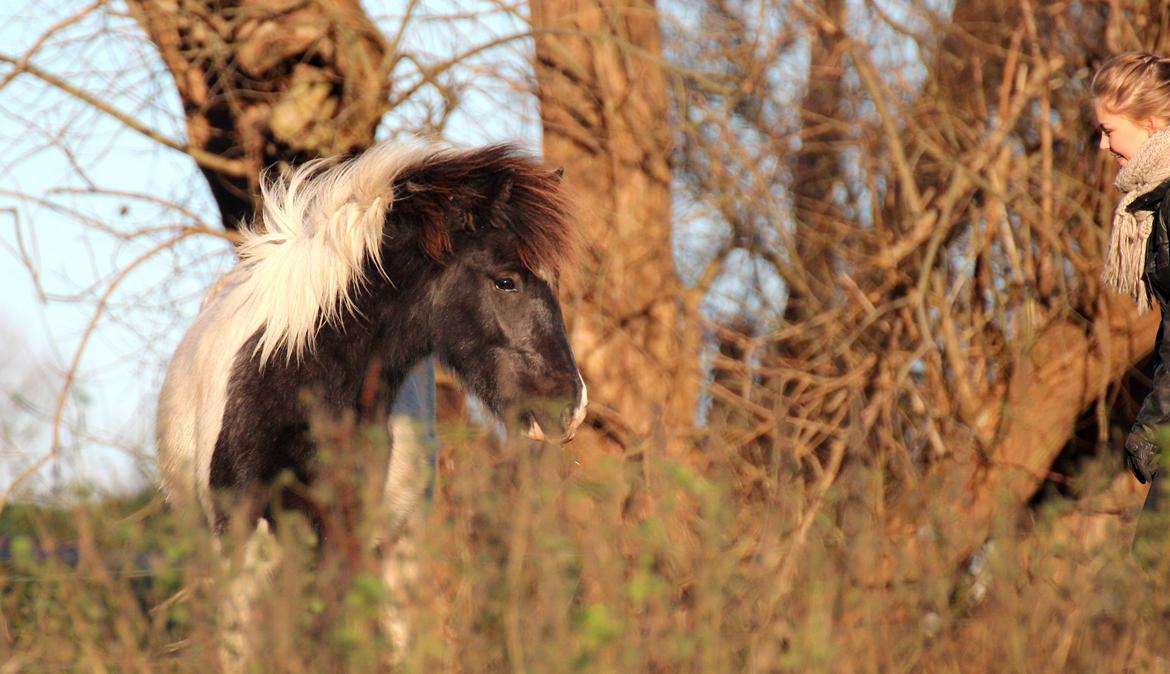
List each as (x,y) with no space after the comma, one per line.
(1131,95)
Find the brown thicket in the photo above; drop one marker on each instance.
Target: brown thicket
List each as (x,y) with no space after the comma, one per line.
(935,205)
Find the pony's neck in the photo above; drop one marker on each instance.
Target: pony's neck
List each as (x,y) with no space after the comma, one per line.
(397,318)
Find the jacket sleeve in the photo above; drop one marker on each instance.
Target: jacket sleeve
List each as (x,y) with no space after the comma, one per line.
(1156,407)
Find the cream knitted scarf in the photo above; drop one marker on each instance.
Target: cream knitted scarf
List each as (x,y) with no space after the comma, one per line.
(1125,261)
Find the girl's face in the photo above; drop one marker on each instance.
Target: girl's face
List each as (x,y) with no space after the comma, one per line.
(1123,136)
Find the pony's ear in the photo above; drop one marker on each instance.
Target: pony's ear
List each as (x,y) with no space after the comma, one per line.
(499,200)
(559,174)
(504,190)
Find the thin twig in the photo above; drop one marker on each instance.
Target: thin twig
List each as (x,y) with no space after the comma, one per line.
(71,372)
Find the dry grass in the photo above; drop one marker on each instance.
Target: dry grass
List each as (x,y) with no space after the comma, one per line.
(562,560)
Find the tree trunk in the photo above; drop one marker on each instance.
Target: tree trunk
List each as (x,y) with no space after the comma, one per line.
(605,109)
(270,82)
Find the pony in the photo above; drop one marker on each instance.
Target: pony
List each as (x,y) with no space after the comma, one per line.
(357,273)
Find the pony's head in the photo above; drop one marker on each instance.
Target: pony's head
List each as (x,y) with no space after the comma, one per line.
(493,228)
(436,250)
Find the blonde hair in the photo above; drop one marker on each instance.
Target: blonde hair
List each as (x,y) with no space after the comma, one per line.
(1134,84)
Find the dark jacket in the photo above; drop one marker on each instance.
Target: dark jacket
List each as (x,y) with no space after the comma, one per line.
(1156,407)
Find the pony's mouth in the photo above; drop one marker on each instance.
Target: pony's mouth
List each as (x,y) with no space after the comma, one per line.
(570,419)
(534,431)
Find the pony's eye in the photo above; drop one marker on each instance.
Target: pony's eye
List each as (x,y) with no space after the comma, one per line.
(506,284)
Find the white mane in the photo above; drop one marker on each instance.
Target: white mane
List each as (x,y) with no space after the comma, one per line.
(319,227)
